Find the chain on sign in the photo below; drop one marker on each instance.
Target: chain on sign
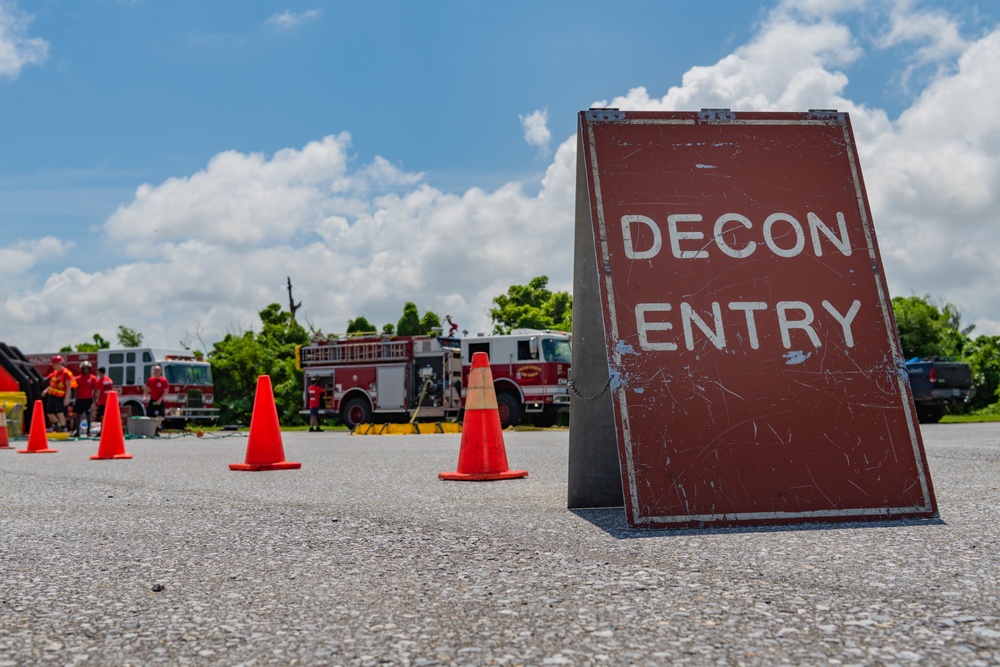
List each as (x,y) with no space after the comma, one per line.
(590,399)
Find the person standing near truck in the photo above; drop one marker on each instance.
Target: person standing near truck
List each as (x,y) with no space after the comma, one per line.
(57,394)
(153,394)
(86,383)
(315,398)
(104,385)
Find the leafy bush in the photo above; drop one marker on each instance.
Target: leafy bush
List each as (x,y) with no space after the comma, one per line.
(237,361)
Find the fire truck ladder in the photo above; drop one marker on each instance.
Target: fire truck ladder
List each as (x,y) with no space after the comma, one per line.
(347,353)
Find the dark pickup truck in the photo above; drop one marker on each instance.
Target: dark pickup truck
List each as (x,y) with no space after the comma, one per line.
(938,385)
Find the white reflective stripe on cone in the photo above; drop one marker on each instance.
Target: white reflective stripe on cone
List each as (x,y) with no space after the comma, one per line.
(481,395)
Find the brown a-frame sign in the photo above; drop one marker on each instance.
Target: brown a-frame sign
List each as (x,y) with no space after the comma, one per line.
(735,358)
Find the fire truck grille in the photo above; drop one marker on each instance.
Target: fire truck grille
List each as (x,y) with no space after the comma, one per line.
(194,398)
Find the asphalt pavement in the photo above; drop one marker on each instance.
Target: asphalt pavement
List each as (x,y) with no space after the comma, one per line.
(364,557)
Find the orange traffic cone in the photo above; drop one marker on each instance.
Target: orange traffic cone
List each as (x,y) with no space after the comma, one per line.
(4,439)
(482,456)
(38,441)
(264,449)
(112,445)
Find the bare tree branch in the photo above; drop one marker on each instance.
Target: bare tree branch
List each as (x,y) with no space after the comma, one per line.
(292,306)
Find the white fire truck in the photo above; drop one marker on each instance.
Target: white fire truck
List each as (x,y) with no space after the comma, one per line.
(530,373)
(396,377)
(189,397)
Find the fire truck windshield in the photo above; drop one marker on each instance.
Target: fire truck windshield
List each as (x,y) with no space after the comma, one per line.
(557,350)
(180,373)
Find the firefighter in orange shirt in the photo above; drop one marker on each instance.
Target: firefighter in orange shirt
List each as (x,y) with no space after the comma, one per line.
(57,394)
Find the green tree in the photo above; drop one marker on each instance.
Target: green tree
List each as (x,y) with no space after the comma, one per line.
(412,323)
(429,322)
(983,357)
(128,337)
(360,325)
(99,344)
(409,323)
(926,330)
(532,306)
(389,329)
(237,361)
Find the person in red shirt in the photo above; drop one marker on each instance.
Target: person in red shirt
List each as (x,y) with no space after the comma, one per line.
(315,392)
(154,393)
(86,383)
(104,385)
(57,394)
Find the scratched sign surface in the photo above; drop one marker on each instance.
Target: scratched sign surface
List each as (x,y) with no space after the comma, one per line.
(754,365)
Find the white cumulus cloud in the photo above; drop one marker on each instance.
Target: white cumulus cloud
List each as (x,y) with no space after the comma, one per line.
(788,65)
(20,256)
(536,130)
(244,200)
(934,183)
(935,33)
(17,48)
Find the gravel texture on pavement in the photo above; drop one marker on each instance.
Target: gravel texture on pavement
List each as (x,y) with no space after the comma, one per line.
(364,557)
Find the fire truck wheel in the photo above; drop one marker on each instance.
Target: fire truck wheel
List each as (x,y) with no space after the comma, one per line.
(509,409)
(356,411)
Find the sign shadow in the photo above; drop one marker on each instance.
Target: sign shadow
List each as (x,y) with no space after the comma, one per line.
(613,521)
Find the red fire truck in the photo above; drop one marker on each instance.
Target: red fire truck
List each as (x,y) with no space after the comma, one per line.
(394,377)
(387,376)
(189,397)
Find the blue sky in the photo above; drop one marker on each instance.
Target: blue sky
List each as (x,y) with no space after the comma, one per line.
(166,165)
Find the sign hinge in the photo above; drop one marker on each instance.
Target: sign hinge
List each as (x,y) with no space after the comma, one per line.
(716,115)
(825,114)
(605,115)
